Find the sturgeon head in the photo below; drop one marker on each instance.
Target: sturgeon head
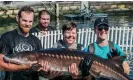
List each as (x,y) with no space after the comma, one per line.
(22,58)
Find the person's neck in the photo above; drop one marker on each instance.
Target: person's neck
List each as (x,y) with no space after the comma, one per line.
(43,28)
(20,32)
(102,42)
(68,44)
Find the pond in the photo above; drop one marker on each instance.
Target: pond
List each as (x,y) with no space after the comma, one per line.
(120,21)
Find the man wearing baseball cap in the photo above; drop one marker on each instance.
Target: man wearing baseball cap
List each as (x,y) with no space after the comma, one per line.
(104,48)
(101,21)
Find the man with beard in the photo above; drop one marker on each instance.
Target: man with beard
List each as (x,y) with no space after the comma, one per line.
(43,23)
(20,40)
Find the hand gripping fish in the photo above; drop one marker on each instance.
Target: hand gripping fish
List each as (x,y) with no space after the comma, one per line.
(60,59)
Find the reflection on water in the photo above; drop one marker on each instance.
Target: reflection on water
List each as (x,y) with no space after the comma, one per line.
(119,21)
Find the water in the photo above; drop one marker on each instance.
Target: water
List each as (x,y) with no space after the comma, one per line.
(119,21)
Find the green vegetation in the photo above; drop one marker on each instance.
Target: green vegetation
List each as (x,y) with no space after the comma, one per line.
(8,23)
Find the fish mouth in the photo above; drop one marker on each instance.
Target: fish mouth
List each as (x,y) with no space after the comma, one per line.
(14,61)
(18,61)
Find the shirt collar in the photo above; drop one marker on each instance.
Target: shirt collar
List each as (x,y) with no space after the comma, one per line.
(72,46)
(21,33)
(39,28)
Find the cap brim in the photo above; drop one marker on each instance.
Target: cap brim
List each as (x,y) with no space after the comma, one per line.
(103,24)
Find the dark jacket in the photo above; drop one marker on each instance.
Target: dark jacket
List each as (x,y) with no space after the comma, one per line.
(38,28)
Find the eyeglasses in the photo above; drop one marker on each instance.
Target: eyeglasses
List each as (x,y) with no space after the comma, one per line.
(101,28)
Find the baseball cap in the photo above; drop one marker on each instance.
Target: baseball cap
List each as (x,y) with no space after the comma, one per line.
(101,21)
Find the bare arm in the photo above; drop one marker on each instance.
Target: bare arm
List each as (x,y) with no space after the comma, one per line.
(11,67)
(126,67)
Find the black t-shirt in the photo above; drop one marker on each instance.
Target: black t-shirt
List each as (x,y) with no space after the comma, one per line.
(13,42)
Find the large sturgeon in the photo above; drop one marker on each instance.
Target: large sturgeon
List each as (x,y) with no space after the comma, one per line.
(60,59)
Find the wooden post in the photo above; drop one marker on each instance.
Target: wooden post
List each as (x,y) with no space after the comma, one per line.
(84,9)
(84,5)
(57,15)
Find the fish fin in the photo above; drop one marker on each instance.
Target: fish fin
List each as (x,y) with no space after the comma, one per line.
(95,73)
(36,67)
(119,59)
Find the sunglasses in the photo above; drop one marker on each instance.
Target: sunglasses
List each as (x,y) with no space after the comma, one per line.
(101,28)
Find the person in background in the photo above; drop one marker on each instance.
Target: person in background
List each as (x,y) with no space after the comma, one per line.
(69,32)
(42,27)
(104,48)
(20,40)
(43,23)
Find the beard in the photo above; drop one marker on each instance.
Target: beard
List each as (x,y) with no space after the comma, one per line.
(25,28)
